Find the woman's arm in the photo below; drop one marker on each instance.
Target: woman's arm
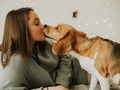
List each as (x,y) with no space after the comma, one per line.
(64,71)
(63,76)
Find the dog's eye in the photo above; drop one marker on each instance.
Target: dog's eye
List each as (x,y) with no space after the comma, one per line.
(57,29)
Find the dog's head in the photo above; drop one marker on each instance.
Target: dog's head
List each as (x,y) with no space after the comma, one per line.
(64,35)
(57,32)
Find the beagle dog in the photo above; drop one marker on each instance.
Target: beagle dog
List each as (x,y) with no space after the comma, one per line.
(98,56)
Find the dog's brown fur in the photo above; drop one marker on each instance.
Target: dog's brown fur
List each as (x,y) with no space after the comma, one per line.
(107,61)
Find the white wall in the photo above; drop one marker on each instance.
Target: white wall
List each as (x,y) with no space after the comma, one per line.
(95,17)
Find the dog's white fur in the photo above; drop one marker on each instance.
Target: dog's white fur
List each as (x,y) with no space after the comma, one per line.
(88,65)
(88,52)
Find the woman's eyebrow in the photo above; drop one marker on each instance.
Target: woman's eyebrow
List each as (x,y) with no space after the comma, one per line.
(36,19)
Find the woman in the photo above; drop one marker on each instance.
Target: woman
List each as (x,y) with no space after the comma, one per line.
(27,59)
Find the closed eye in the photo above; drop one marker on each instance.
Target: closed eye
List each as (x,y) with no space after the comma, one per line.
(36,22)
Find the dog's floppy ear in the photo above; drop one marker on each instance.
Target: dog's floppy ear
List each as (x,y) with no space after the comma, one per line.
(62,46)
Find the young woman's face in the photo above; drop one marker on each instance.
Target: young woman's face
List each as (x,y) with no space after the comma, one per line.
(35,27)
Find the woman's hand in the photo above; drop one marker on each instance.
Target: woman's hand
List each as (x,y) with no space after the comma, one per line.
(59,87)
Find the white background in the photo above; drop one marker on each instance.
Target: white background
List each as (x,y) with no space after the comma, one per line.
(95,17)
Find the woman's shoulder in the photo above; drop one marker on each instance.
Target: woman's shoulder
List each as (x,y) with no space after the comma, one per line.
(16,60)
(15,66)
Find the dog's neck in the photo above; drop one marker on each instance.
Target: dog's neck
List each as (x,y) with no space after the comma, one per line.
(83,45)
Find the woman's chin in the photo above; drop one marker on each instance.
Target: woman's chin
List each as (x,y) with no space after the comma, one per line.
(42,39)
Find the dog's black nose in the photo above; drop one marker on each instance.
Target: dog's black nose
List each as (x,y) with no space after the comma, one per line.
(45,26)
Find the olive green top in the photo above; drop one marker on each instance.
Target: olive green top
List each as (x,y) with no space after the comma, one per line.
(47,69)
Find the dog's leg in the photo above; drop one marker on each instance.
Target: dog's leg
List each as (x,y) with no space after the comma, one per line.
(116,81)
(104,83)
(93,83)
